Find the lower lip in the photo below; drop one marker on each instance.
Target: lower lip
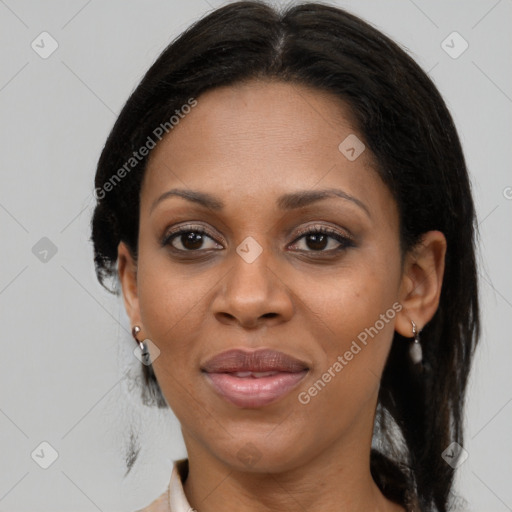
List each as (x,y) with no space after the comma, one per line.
(251,392)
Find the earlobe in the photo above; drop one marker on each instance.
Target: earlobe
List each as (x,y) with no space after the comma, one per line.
(422,281)
(127,271)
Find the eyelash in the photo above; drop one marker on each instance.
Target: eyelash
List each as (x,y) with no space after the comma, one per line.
(344,240)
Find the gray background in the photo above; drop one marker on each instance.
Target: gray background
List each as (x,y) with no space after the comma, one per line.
(66,345)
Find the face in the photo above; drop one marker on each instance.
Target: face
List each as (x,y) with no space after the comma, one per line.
(318,279)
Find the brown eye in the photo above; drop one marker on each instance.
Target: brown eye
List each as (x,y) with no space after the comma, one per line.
(318,239)
(190,240)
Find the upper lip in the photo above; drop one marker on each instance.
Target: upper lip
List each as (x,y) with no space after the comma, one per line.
(262,360)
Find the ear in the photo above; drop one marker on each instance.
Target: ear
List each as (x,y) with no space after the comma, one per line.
(421,284)
(127,270)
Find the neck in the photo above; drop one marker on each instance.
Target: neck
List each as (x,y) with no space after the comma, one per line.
(336,479)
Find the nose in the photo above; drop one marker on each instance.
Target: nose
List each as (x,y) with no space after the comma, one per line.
(252,294)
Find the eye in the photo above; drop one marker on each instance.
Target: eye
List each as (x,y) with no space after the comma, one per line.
(318,238)
(190,239)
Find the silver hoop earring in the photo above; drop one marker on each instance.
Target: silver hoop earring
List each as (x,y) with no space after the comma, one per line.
(142,345)
(415,351)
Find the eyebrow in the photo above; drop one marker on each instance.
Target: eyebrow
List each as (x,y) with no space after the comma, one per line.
(290,201)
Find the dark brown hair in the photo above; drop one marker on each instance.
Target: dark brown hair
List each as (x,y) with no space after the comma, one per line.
(406,125)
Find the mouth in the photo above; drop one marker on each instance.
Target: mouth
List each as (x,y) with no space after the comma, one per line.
(253,379)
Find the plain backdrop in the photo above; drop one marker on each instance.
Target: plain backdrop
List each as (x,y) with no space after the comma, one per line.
(66,346)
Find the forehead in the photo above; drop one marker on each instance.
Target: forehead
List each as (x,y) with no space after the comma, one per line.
(260,139)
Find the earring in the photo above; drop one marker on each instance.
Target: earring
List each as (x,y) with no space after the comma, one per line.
(415,350)
(142,344)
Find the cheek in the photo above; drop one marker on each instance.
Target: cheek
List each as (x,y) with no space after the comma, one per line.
(353,297)
(172,307)
(357,310)
(172,311)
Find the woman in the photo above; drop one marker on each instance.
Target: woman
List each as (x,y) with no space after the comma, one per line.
(285,203)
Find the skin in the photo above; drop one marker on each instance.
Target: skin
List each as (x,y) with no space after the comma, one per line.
(248,144)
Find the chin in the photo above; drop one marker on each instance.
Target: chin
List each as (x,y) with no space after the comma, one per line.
(256,455)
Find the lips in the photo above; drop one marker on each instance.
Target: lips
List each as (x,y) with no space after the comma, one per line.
(262,360)
(253,379)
